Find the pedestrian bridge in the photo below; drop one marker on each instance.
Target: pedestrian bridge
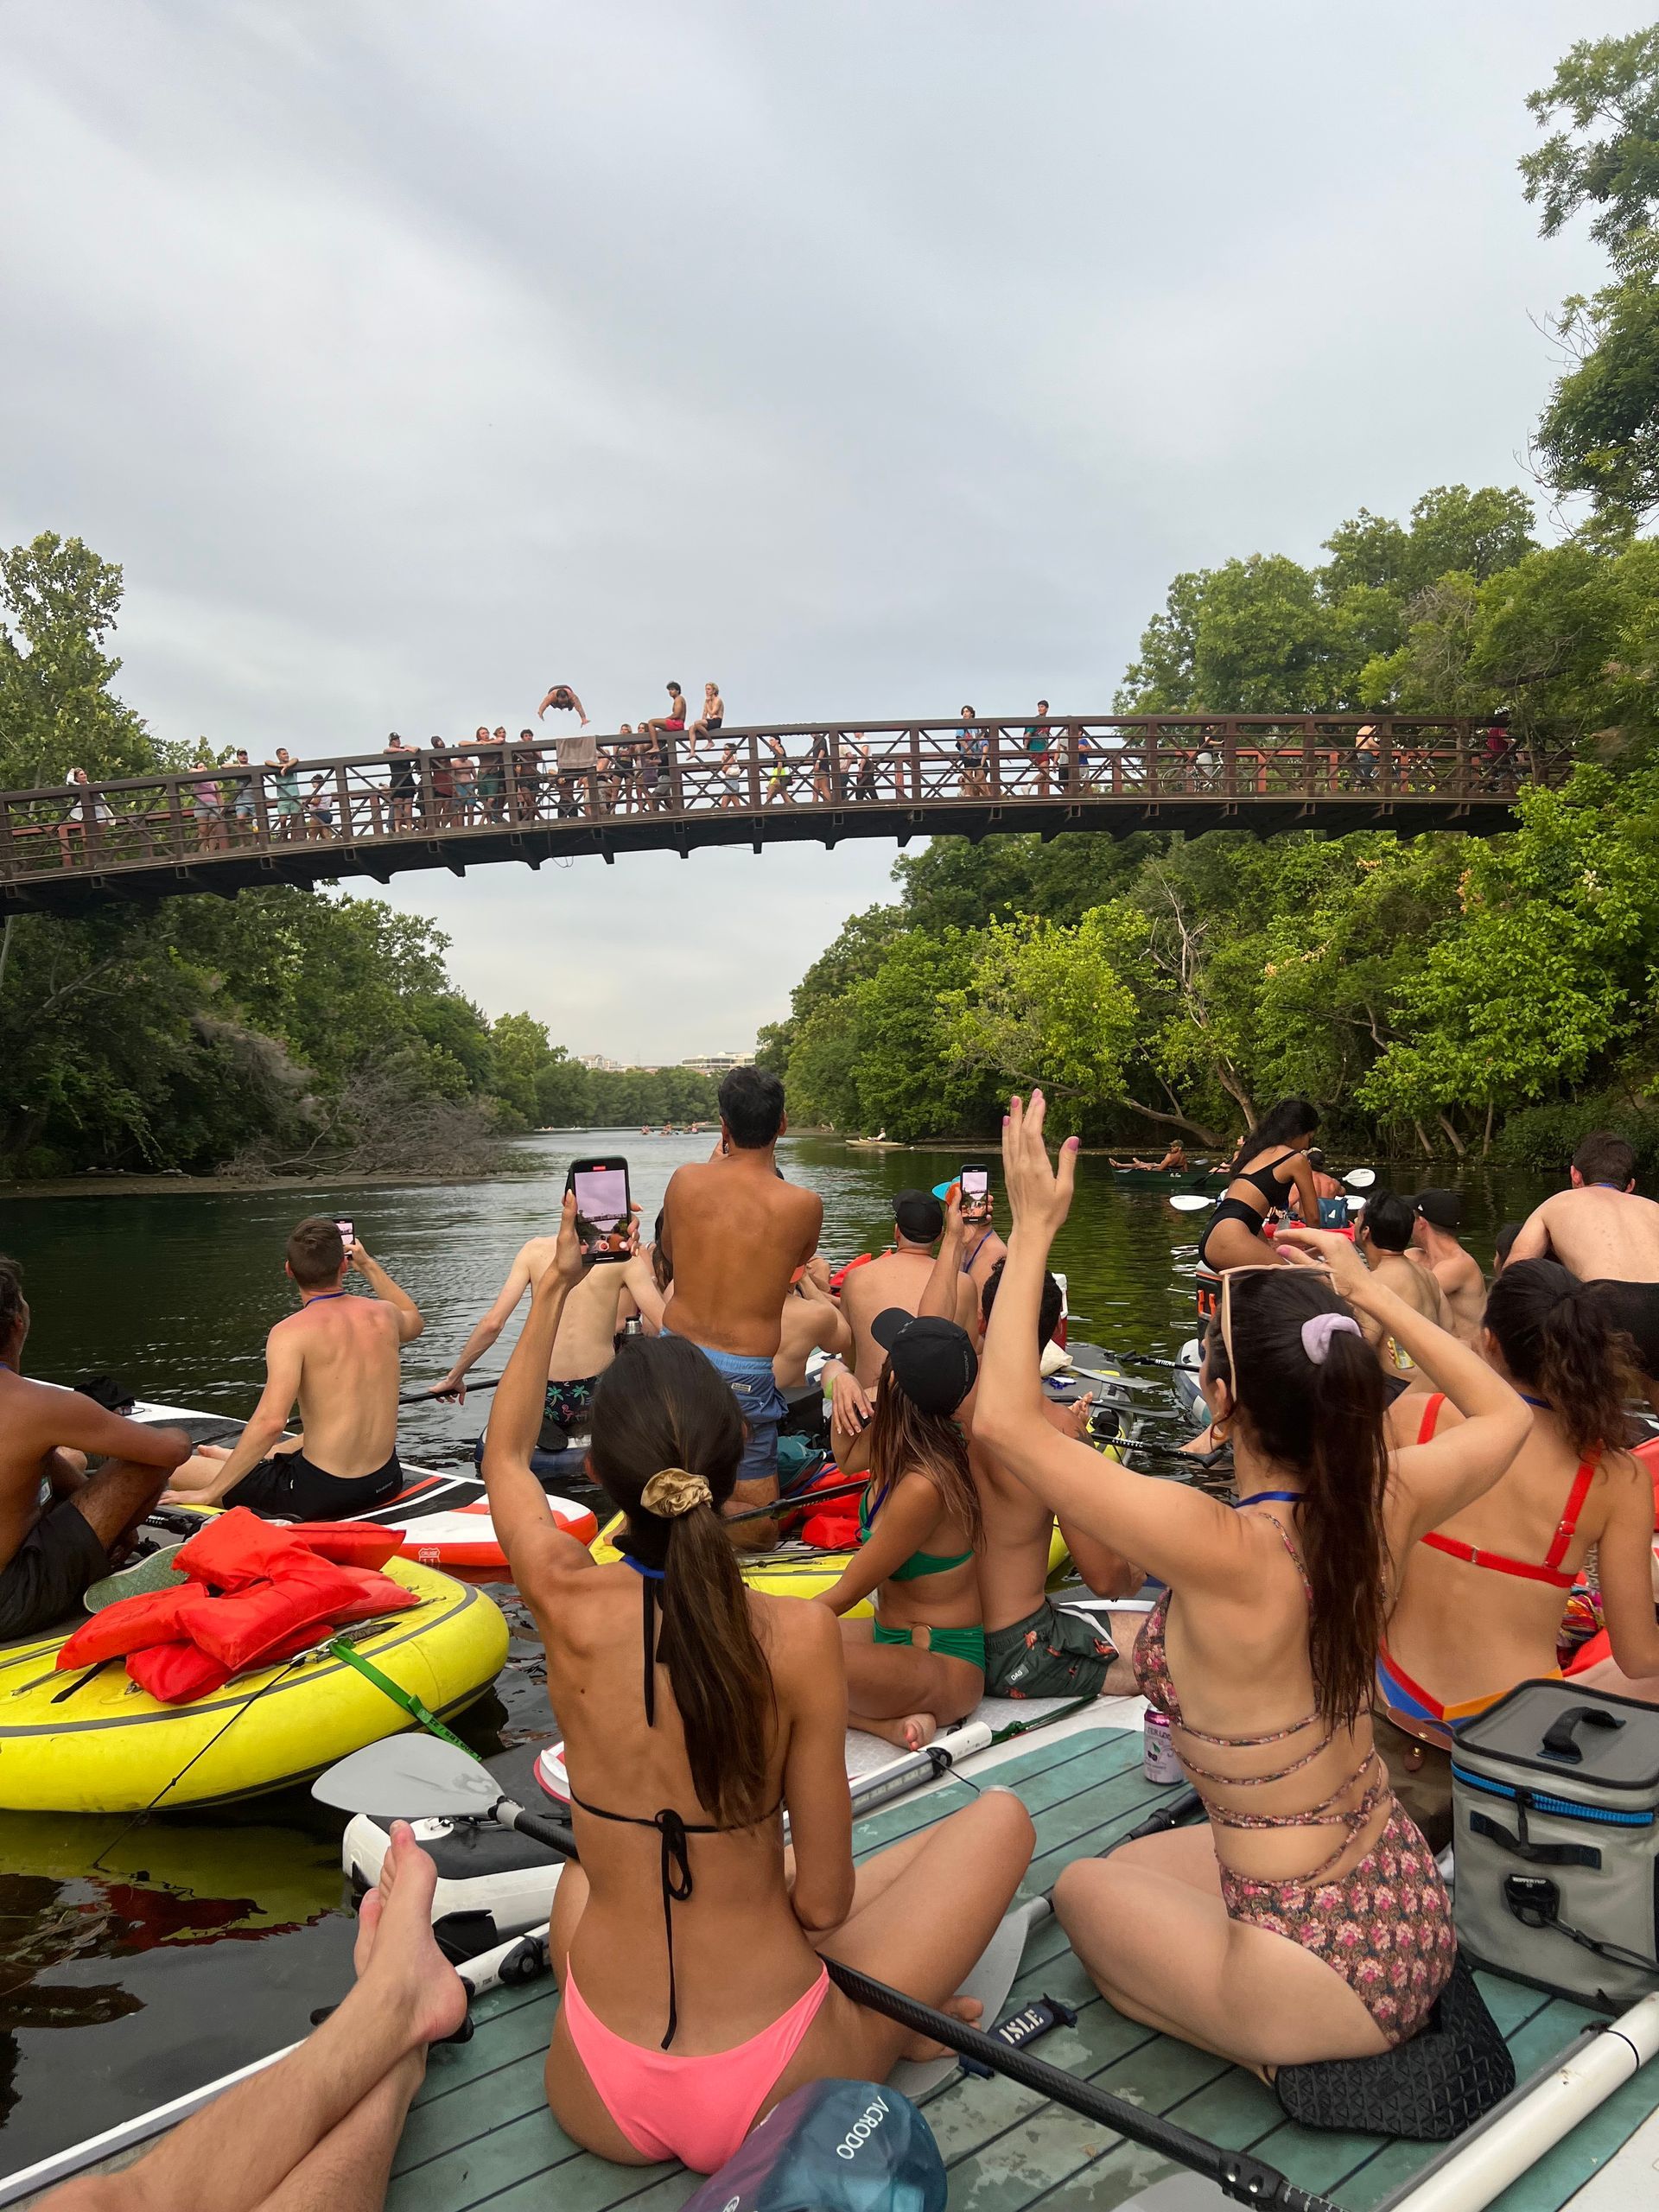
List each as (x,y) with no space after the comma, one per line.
(235,826)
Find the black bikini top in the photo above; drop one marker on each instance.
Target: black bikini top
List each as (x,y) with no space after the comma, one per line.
(675,1858)
(1265,1179)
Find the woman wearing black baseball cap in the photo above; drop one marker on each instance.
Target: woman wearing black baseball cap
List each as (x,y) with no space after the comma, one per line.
(920,1663)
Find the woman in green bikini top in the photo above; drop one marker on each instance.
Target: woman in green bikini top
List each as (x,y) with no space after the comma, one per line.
(920,1663)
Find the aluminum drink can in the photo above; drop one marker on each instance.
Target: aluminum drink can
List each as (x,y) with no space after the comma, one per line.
(1158,1760)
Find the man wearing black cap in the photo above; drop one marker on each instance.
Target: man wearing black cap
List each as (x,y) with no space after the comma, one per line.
(898,1278)
(1435,1243)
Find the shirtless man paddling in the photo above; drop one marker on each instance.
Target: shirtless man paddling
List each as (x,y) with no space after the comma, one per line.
(734,1233)
(1434,1242)
(338,1356)
(588,1327)
(898,1278)
(59,1526)
(1605,1233)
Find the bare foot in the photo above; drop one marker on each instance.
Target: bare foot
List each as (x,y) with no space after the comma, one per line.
(395,1936)
(910,1733)
(919,2049)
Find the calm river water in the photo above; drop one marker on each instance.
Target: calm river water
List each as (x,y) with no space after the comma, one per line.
(125,1972)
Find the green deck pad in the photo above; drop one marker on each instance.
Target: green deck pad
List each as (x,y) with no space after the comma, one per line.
(480,2132)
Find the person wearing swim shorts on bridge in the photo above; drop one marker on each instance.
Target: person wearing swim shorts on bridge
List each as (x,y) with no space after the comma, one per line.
(713,715)
(339,1356)
(562,700)
(595,1312)
(60,1529)
(734,1233)
(1600,1230)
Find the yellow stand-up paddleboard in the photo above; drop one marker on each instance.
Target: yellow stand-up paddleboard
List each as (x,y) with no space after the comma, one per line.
(92,1741)
(799,1570)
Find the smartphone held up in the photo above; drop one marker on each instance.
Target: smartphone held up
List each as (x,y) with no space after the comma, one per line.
(604,1213)
(347,1235)
(976,1183)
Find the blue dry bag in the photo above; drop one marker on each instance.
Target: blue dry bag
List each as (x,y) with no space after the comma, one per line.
(833,2146)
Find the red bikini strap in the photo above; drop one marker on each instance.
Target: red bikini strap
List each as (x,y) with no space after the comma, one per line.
(1431,1416)
(1568,1526)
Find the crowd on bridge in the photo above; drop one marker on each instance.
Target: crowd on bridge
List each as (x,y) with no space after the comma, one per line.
(675,762)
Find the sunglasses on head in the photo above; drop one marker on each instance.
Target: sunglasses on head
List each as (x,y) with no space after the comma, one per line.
(1259,1268)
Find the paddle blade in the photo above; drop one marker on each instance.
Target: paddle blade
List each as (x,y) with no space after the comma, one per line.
(410,1778)
(1360,1179)
(1190,1202)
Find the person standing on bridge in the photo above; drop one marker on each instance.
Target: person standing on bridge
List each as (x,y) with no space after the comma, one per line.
(973,750)
(563,700)
(400,784)
(778,776)
(1039,744)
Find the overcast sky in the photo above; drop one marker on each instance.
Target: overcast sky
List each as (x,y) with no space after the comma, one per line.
(866,355)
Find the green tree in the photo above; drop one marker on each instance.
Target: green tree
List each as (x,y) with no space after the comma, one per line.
(1610,85)
(58,604)
(521,1050)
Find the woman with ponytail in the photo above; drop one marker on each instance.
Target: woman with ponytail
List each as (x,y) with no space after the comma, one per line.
(1270,1167)
(1307,1922)
(1482,1599)
(685,1945)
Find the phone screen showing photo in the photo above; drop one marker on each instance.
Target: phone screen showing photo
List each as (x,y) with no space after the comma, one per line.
(602,1208)
(345,1228)
(976,1183)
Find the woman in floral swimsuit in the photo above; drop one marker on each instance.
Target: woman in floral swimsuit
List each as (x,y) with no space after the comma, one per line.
(1307,1920)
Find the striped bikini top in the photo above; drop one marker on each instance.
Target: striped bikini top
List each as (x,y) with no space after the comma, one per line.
(1550,1568)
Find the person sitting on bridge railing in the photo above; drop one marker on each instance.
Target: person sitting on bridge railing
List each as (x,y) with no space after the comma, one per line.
(674,719)
(713,715)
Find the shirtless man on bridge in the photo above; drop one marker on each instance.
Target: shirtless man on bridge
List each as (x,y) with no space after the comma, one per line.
(62,1530)
(734,1233)
(339,1356)
(897,1278)
(1600,1230)
(586,1343)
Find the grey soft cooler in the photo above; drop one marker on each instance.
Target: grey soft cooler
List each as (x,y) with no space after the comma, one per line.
(1555,1806)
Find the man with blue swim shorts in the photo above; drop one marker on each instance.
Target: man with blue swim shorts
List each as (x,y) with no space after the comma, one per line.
(735,1232)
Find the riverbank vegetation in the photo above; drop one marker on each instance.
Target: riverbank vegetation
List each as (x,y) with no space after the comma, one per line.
(1439,995)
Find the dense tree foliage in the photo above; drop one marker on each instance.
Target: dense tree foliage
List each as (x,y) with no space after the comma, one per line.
(1599,432)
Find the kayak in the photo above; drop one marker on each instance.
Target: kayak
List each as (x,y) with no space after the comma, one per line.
(442,1518)
(1172,1179)
(94,1742)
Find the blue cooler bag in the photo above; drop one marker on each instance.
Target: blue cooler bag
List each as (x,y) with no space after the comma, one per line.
(833,2146)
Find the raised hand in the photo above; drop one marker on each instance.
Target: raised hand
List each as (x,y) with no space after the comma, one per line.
(1322,1248)
(1039,1198)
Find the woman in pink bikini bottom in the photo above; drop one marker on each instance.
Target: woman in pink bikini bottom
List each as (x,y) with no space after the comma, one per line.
(1307,1920)
(687,1944)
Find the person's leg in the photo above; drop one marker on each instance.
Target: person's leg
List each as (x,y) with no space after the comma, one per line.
(1148,1923)
(904,1691)
(923,1912)
(344,2091)
(114,1500)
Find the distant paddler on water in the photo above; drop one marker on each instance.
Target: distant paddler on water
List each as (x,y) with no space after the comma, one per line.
(62,1530)
(338,1356)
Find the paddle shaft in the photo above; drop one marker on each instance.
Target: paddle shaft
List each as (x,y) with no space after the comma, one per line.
(424,1397)
(1249,2180)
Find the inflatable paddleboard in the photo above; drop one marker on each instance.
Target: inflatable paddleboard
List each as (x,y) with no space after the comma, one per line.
(442,1516)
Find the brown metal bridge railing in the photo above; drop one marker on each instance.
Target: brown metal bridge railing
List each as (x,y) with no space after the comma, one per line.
(221,828)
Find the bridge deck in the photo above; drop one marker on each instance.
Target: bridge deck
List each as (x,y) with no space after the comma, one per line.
(238,825)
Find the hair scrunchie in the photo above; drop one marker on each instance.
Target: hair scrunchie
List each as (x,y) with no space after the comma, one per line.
(1317,1330)
(674,1490)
